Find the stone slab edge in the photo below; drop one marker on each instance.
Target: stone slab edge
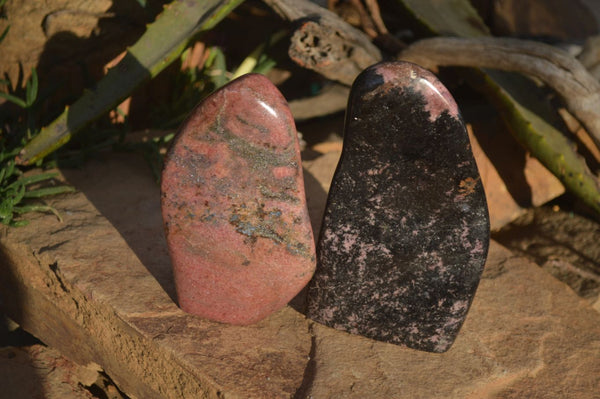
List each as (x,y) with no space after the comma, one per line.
(527,335)
(78,287)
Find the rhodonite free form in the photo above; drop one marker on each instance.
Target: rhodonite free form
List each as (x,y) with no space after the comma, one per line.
(234,208)
(406,230)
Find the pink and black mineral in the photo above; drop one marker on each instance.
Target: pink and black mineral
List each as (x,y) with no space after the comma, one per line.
(234,208)
(406,229)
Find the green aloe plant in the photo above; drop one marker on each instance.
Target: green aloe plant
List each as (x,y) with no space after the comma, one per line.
(16,192)
(162,43)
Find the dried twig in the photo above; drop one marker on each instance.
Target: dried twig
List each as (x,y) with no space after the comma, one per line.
(330,100)
(325,43)
(555,67)
(375,13)
(590,56)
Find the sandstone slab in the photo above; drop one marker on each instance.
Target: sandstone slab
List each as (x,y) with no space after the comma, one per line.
(526,335)
(99,288)
(37,371)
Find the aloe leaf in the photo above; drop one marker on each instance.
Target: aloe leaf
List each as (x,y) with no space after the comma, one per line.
(14,99)
(218,67)
(19,195)
(535,132)
(512,95)
(159,46)
(31,89)
(19,223)
(37,208)
(37,178)
(23,181)
(5,208)
(46,191)
(3,34)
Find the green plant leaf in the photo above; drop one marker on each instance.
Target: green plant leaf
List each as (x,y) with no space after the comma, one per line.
(14,99)
(530,122)
(10,154)
(19,223)
(217,68)
(37,208)
(9,169)
(251,62)
(37,178)
(19,195)
(46,191)
(161,44)
(31,89)
(6,209)
(22,181)
(3,35)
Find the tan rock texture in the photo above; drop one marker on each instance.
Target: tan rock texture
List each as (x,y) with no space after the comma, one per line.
(526,336)
(98,288)
(37,371)
(80,288)
(33,24)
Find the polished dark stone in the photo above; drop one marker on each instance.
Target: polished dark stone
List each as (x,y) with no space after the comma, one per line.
(406,228)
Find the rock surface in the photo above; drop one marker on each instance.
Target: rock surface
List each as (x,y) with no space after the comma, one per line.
(527,335)
(99,287)
(565,244)
(234,207)
(406,228)
(39,372)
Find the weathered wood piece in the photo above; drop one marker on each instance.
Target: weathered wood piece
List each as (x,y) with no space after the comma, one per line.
(324,42)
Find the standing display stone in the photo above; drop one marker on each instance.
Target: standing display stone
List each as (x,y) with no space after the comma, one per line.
(234,208)
(406,230)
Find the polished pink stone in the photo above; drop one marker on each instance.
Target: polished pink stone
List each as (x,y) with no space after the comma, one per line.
(234,207)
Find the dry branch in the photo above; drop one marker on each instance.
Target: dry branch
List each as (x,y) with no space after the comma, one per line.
(325,43)
(330,100)
(555,67)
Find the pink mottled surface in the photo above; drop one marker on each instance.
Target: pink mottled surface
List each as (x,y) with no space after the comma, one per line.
(405,231)
(234,208)
(406,74)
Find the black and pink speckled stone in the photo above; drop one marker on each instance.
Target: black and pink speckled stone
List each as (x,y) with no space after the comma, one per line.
(406,229)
